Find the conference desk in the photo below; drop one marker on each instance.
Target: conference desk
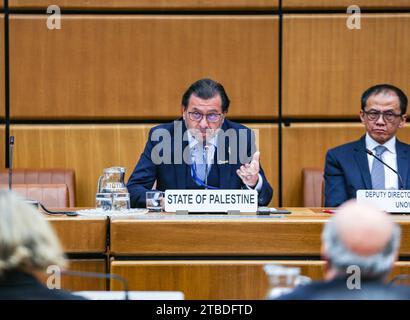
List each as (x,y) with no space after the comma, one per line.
(213,256)
(84,241)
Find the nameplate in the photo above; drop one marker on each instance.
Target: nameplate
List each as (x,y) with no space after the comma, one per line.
(387,200)
(211,201)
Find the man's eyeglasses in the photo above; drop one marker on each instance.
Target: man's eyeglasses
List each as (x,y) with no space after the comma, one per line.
(210,117)
(387,116)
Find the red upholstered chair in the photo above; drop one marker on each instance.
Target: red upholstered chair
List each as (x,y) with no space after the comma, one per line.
(43,176)
(313,187)
(50,195)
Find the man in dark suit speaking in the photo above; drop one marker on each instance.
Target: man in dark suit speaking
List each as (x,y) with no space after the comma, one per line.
(351,167)
(203,150)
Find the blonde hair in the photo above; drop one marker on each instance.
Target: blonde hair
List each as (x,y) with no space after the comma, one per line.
(27,241)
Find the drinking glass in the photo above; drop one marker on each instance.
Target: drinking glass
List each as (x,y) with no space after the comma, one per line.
(154,200)
(120,201)
(103,201)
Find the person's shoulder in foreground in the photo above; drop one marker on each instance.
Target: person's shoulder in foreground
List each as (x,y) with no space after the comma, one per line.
(360,244)
(337,289)
(28,247)
(16,285)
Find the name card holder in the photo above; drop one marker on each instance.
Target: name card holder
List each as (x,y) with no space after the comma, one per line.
(211,201)
(393,201)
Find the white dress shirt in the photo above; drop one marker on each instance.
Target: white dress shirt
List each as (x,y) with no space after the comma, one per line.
(389,156)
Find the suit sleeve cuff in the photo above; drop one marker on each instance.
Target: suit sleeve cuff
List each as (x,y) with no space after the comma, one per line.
(258,186)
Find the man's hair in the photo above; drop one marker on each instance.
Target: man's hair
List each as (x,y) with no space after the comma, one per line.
(383,88)
(375,266)
(206,89)
(27,241)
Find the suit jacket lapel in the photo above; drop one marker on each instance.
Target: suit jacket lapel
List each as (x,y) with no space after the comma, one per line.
(402,161)
(223,162)
(360,156)
(181,168)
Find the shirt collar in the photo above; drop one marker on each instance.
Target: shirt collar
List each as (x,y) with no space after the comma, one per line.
(390,145)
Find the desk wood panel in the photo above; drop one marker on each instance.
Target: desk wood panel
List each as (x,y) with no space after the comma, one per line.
(77,283)
(214,279)
(297,234)
(88,149)
(344,4)
(147,4)
(320,138)
(205,279)
(326,66)
(91,69)
(81,235)
(228,236)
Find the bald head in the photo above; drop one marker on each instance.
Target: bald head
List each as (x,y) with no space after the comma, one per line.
(363,228)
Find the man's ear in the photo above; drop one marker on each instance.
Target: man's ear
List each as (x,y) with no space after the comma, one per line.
(403,121)
(183,112)
(362,116)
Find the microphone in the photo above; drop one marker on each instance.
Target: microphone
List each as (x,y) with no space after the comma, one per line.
(11,143)
(99,275)
(398,175)
(206,148)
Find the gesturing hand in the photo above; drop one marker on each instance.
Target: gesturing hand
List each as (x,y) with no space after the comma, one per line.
(249,172)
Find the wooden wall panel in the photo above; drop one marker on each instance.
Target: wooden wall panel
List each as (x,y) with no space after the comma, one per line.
(2,111)
(326,66)
(268,146)
(343,4)
(205,279)
(88,149)
(148,4)
(139,66)
(2,148)
(213,279)
(305,145)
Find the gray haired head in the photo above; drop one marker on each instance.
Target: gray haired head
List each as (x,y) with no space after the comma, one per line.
(376,265)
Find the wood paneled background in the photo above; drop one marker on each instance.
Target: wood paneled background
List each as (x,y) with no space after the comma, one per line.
(149,4)
(128,65)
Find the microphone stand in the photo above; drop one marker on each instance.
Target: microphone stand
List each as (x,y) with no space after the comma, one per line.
(99,276)
(11,143)
(206,147)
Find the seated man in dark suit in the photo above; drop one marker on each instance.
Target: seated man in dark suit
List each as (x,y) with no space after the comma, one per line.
(203,150)
(360,245)
(350,167)
(28,247)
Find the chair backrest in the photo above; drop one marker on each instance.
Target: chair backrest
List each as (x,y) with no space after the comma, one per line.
(313,186)
(43,176)
(51,195)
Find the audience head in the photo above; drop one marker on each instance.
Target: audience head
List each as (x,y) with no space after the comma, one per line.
(27,241)
(360,235)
